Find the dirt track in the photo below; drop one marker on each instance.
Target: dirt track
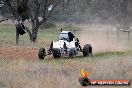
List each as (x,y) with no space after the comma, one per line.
(18,53)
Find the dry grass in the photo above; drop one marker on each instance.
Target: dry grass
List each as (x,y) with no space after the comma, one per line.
(22,73)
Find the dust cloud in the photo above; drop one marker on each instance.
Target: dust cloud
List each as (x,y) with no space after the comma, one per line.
(102,38)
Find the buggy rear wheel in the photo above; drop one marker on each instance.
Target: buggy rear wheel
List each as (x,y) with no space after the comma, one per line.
(87,50)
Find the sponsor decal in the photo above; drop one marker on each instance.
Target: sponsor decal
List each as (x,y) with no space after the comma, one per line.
(85,81)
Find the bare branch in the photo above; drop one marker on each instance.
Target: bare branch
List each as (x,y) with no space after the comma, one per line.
(45,7)
(46,17)
(37,11)
(12,9)
(29,33)
(3,20)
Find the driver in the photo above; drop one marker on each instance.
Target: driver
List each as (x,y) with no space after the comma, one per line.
(71,36)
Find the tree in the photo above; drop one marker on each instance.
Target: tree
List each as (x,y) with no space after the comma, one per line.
(32,10)
(40,8)
(126,16)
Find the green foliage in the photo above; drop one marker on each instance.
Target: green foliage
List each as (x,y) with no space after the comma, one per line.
(23,9)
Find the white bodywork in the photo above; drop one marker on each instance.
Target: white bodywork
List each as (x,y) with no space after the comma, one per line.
(60,44)
(64,38)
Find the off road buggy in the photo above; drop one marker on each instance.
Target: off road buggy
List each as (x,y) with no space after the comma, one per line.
(67,45)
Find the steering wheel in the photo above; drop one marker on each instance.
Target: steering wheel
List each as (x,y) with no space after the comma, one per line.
(65,38)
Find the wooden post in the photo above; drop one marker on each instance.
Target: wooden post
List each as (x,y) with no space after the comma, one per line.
(17,36)
(118,34)
(128,35)
(107,34)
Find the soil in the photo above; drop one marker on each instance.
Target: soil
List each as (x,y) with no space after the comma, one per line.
(18,53)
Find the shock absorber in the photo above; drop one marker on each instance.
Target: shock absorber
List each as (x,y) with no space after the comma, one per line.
(65,47)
